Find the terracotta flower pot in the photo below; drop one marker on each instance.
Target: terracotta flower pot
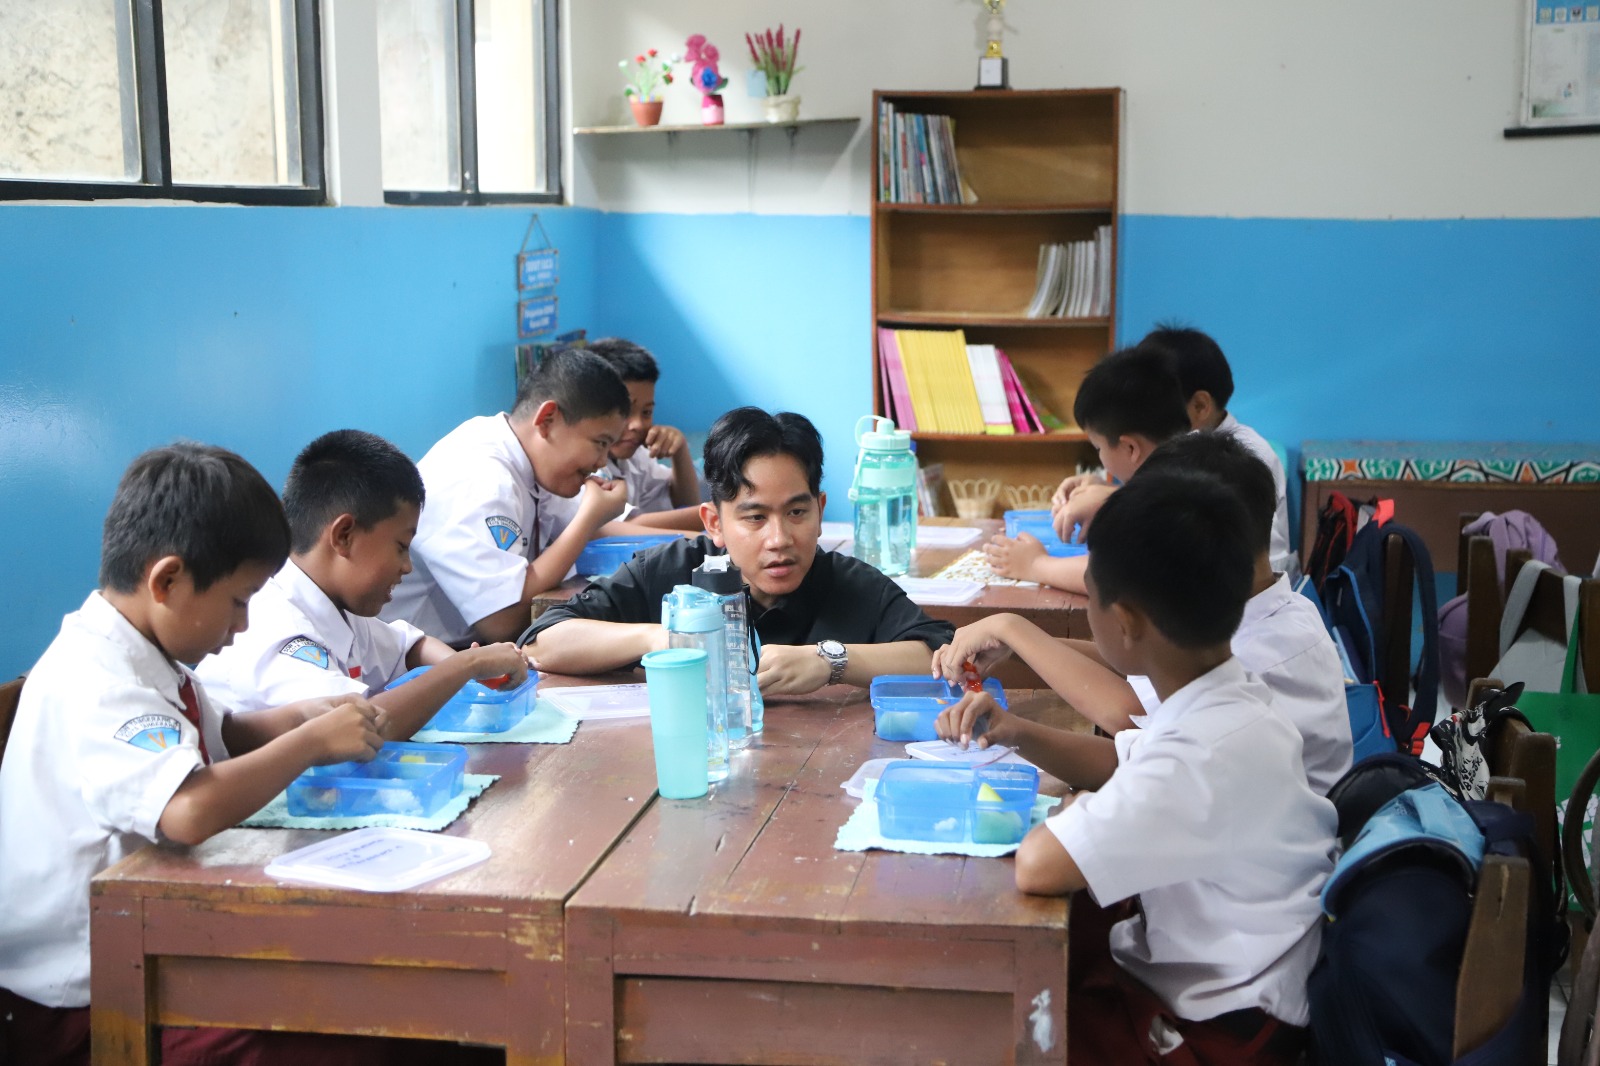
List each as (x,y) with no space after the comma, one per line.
(646,112)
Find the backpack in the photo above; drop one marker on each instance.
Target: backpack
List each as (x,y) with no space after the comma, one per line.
(1399,906)
(1363,703)
(1512,530)
(1338,521)
(1354,593)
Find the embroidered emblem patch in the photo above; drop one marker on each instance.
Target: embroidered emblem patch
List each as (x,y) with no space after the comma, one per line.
(307,650)
(152,732)
(505,531)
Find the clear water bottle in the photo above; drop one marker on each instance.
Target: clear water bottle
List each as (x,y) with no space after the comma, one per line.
(884,491)
(718,576)
(693,619)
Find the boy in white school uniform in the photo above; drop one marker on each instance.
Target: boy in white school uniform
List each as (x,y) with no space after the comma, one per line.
(1202,814)
(115,746)
(660,496)
(490,540)
(1207,383)
(1281,638)
(353,502)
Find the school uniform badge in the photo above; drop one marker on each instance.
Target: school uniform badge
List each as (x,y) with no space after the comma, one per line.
(307,650)
(151,732)
(505,531)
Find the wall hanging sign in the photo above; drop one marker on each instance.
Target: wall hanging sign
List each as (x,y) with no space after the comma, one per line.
(536,282)
(536,316)
(1560,69)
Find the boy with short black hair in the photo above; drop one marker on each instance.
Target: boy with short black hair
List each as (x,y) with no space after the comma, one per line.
(659,497)
(1128,404)
(822,618)
(490,540)
(115,745)
(353,501)
(1207,382)
(1203,813)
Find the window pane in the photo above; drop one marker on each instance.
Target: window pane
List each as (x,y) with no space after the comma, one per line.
(232,92)
(418,96)
(66,77)
(510,77)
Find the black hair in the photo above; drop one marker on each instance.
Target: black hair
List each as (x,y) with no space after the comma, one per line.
(1177,546)
(631,361)
(582,384)
(1196,359)
(746,433)
(1133,391)
(347,472)
(203,504)
(1230,462)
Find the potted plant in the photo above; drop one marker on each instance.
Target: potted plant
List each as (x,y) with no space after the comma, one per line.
(705,76)
(775,57)
(645,82)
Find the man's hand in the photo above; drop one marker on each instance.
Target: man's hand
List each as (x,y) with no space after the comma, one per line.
(1014,558)
(1080,509)
(791,670)
(980,643)
(976,713)
(663,442)
(347,732)
(603,501)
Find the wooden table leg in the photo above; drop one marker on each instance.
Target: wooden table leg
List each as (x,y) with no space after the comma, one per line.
(1040,1011)
(119,985)
(591,1001)
(536,978)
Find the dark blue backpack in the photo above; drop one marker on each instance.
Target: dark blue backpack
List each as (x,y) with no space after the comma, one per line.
(1399,906)
(1353,595)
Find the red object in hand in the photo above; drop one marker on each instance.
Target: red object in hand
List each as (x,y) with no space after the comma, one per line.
(969,672)
(495,682)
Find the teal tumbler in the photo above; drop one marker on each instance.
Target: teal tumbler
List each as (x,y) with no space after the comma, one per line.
(676,679)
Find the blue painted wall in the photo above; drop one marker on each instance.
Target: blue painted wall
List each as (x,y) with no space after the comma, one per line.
(126,327)
(257,328)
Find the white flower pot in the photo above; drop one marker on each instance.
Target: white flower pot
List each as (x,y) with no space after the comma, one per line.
(785,108)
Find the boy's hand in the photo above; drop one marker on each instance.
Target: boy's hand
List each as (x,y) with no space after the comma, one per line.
(663,442)
(1058,499)
(1080,509)
(791,670)
(603,501)
(345,733)
(1014,558)
(958,722)
(499,661)
(980,643)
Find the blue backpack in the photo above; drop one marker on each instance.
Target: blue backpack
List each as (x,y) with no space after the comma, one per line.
(1369,726)
(1399,906)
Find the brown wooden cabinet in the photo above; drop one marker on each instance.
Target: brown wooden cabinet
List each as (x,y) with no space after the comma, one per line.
(1044,166)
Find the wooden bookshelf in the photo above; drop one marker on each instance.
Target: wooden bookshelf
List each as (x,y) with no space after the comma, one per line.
(1045,168)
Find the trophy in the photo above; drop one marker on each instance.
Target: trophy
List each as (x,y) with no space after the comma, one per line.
(992,66)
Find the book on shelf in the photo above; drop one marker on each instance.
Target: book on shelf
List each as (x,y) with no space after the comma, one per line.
(1073,280)
(917,160)
(934,382)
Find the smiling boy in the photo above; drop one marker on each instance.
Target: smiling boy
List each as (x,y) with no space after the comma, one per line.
(490,540)
(823,618)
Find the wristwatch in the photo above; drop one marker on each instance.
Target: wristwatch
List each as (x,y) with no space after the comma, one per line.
(834,652)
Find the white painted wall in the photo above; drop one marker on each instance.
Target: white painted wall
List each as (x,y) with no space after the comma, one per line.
(1268,108)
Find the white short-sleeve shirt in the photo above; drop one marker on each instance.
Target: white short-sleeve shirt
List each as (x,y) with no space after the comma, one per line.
(1285,560)
(1209,821)
(649,488)
(485,518)
(1282,640)
(300,646)
(99,746)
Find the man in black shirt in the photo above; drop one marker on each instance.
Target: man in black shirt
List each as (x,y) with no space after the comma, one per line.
(823,618)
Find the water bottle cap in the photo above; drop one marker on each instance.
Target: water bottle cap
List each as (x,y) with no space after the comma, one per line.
(690,610)
(718,574)
(881,436)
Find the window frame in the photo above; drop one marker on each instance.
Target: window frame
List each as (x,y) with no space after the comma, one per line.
(469,195)
(155,145)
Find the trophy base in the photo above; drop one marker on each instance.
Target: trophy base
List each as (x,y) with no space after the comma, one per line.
(994,72)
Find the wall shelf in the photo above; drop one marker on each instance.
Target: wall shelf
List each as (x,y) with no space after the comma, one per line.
(749,127)
(962,319)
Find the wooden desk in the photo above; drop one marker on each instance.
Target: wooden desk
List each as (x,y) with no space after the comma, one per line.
(727,929)
(202,936)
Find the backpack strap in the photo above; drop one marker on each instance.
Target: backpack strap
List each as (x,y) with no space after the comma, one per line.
(1426,680)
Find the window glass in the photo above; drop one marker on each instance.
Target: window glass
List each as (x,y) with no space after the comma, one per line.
(510,76)
(419,99)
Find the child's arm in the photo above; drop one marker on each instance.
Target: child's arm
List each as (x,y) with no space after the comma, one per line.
(216,797)
(601,502)
(1044,867)
(1099,694)
(679,520)
(1079,759)
(591,646)
(1080,508)
(404,710)
(795,669)
(664,441)
(1024,559)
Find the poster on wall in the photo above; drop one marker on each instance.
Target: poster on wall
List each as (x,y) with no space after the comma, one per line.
(1561,70)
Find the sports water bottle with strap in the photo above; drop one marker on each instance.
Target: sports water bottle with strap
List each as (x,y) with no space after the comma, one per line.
(884,491)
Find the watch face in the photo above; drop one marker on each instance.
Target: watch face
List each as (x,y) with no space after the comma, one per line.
(832,647)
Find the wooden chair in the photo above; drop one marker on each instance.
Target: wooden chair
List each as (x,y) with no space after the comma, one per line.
(10,695)
(1490,983)
(1578,1043)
